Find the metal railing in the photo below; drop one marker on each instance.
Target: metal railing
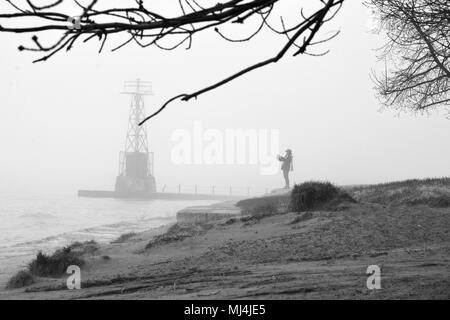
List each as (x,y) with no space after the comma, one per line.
(215,190)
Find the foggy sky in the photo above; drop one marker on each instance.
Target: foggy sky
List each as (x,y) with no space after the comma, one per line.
(63,122)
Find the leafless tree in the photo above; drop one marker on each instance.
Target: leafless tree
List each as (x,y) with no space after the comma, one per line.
(416,55)
(148,28)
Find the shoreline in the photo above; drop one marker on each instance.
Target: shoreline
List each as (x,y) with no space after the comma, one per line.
(324,254)
(30,248)
(12,264)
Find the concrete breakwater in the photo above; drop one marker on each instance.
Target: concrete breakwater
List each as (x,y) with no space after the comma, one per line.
(202,214)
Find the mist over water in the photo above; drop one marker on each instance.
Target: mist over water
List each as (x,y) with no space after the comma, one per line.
(34,222)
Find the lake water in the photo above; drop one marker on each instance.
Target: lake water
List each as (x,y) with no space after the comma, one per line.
(29,223)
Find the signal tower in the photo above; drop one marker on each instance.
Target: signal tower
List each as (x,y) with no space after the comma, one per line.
(136,162)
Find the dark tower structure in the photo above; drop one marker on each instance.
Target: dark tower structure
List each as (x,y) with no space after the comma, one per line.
(136,162)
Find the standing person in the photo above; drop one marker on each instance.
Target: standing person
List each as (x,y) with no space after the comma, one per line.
(286,166)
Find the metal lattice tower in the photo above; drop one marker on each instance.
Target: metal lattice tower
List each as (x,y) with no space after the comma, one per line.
(136,140)
(136,162)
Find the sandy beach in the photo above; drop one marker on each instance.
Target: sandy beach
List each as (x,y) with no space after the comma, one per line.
(310,255)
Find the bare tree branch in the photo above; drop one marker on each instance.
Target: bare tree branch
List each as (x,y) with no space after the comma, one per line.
(146,27)
(418,54)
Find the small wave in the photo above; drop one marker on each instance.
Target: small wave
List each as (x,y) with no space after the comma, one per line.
(101,233)
(38,215)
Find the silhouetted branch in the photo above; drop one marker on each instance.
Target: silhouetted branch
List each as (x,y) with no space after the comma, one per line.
(148,28)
